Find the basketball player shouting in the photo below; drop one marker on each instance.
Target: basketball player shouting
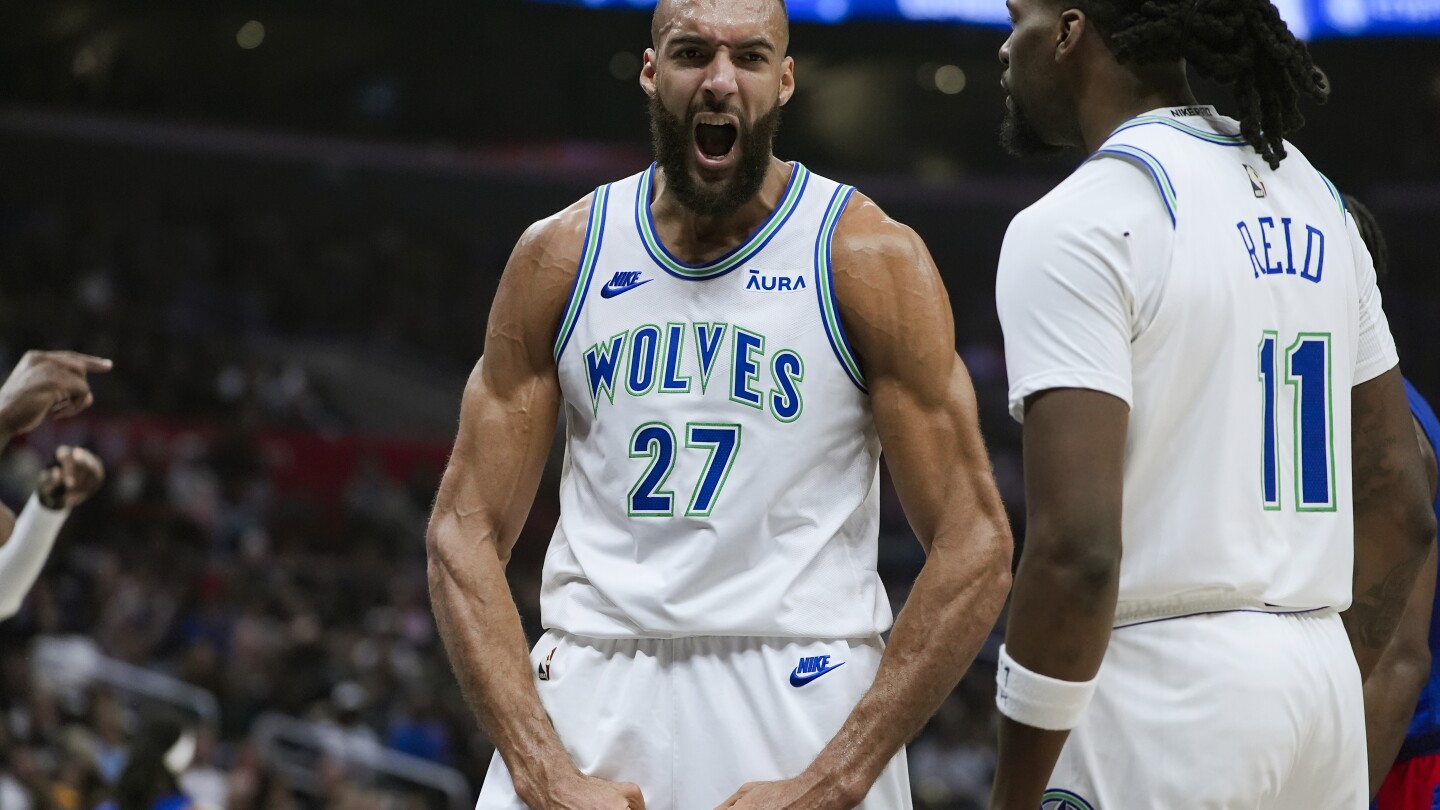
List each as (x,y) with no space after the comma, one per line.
(733,339)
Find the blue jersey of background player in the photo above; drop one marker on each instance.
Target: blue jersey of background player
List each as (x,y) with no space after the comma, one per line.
(1402,695)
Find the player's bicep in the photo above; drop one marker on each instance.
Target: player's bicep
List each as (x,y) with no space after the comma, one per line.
(1074,458)
(921,396)
(511,401)
(930,433)
(1387,467)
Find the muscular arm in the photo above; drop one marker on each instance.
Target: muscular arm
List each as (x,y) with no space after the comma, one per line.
(507,422)
(1394,521)
(897,316)
(1068,580)
(1394,686)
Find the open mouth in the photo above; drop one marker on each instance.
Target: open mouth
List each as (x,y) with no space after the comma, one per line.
(715,137)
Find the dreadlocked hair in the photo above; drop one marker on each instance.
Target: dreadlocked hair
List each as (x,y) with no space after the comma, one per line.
(1242,43)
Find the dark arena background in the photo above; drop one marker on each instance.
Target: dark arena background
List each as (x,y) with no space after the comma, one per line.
(285,221)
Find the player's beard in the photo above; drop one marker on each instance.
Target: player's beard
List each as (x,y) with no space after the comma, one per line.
(1019,136)
(673,140)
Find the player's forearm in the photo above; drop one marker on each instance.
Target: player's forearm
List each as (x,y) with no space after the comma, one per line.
(1390,695)
(481,630)
(946,618)
(1391,546)
(1395,684)
(1061,613)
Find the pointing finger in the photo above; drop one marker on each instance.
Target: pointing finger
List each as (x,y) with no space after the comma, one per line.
(87,363)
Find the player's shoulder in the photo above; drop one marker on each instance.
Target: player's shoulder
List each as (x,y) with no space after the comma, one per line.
(881,268)
(1100,196)
(869,241)
(555,243)
(540,274)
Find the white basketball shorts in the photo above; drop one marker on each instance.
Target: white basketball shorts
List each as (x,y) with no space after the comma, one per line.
(692,719)
(1250,710)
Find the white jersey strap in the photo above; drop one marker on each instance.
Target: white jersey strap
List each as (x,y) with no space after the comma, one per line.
(594,230)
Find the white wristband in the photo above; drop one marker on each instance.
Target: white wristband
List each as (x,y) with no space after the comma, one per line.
(1039,700)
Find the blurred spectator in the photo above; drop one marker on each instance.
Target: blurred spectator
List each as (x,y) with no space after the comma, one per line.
(160,752)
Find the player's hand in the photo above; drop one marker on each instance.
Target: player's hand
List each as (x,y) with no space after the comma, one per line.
(46,384)
(75,476)
(801,793)
(584,792)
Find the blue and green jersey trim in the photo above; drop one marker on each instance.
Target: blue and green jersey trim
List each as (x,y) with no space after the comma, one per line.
(1150,163)
(645,223)
(1334,192)
(594,237)
(825,287)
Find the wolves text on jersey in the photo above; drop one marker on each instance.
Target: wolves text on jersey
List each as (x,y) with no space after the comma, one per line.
(650,360)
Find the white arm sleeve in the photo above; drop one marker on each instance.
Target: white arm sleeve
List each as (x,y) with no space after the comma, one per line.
(1375,348)
(22,557)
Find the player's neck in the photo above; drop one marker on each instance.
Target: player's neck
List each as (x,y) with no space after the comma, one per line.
(698,238)
(1128,94)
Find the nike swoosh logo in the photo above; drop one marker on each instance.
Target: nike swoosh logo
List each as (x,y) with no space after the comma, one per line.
(610,292)
(797,680)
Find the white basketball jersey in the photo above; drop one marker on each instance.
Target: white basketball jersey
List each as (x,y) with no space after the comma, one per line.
(1233,307)
(721,464)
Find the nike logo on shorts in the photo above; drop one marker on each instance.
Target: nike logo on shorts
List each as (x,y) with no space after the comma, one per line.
(811,668)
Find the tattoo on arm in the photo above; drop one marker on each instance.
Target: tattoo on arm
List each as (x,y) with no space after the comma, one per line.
(1376,613)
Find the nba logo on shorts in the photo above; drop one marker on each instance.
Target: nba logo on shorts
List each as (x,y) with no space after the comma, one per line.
(545,665)
(1063,800)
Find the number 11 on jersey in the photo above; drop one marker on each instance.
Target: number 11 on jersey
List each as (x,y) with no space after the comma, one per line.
(1307,372)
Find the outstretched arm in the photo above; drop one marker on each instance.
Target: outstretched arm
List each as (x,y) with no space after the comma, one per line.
(507,422)
(897,315)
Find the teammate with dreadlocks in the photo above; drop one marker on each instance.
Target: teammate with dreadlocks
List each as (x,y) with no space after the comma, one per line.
(1208,384)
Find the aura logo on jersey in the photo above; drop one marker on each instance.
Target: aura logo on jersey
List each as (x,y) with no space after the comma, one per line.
(760,281)
(648,360)
(1063,800)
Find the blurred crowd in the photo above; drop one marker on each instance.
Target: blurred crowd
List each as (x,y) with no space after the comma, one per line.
(195,562)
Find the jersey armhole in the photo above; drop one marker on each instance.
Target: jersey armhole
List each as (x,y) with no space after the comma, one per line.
(1149,163)
(1334,192)
(825,287)
(594,236)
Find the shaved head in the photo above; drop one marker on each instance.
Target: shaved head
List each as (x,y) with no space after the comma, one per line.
(667,12)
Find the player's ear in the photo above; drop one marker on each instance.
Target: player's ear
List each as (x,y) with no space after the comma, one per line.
(787,80)
(647,72)
(1073,25)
